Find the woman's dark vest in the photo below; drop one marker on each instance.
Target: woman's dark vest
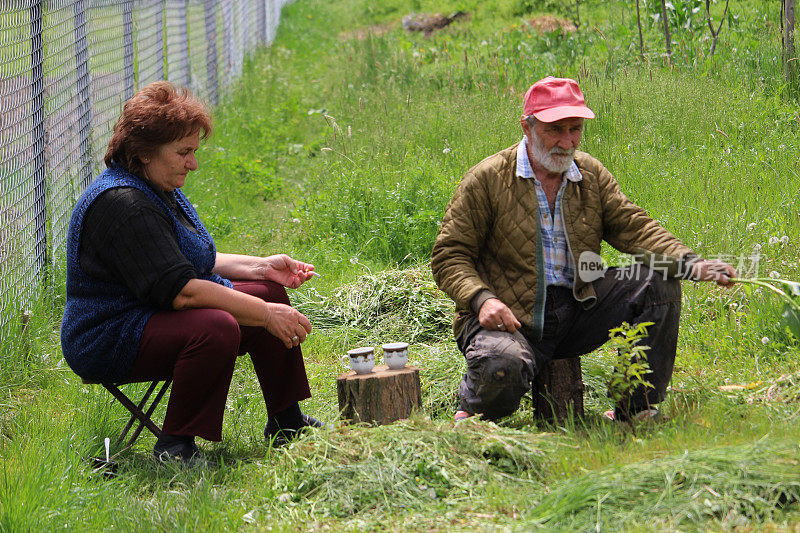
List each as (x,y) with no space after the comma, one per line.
(103,321)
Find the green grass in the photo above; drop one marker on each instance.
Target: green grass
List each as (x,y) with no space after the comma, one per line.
(342,148)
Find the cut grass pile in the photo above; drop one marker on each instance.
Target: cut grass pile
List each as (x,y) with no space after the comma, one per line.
(731,485)
(392,302)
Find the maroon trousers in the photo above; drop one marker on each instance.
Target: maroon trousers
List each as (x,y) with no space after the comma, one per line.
(198,348)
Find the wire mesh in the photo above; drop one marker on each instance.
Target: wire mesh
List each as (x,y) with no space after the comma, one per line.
(66,68)
(149,28)
(19,200)
(67,125)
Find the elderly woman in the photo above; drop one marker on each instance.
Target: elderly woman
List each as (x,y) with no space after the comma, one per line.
(149,296)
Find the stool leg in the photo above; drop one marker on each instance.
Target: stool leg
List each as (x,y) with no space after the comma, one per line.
(135,416)
(135,410)
(155,430)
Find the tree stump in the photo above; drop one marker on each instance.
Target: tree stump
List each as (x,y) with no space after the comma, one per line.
(380,397)
(558,390)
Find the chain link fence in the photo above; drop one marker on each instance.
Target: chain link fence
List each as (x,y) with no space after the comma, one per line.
(66,67)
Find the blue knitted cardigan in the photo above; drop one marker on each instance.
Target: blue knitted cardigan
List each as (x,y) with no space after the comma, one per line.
(103,322)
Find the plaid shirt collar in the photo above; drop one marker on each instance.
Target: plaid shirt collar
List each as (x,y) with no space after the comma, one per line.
(524,169)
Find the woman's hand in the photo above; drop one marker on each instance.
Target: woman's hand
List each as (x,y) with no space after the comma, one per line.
(278,268)
(287,323)
(287,271)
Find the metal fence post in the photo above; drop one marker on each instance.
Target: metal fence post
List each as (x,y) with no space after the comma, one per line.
(268,5)
(227,40)
(84,94)
(39,142)
(244,27)
(261,31)
(183,15)
(127,40)
(160,38)
(210,11)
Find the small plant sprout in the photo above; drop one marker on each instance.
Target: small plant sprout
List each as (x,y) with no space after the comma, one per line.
(630,363)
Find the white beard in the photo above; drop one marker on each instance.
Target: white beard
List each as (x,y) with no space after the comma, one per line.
(556,160)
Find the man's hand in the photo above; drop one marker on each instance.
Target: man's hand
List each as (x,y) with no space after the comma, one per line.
(496,316)
(714,270)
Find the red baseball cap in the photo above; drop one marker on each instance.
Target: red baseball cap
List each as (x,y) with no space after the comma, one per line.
(552,99)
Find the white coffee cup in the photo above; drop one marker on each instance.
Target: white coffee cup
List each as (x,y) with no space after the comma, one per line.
(360,360)
(395,354)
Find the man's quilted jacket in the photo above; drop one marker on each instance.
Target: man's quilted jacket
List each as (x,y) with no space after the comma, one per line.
(489,238)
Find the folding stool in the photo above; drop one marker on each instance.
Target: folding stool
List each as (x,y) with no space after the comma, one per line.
(141,411)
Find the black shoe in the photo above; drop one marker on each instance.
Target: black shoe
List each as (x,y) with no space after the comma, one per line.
(179,449)
(278,436)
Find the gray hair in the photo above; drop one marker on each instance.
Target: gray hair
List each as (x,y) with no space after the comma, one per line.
(531,121)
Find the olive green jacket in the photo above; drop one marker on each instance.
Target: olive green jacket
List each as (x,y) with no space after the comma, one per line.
(489,239)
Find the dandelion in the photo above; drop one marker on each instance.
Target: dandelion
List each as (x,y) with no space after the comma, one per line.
(757,247)
(764,340)
(773,241)
(785,240)
(774,274)
(751,226)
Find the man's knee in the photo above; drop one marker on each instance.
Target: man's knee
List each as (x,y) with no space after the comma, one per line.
(501,359)
(500,368)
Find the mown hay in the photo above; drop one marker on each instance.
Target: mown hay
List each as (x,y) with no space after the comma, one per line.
(397,467)
(731,484)
(393,301)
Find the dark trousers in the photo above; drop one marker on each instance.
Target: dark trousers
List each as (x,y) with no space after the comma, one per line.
(501,366)
(198,348)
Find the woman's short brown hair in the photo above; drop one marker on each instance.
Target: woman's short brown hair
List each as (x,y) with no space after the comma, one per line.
(157,114)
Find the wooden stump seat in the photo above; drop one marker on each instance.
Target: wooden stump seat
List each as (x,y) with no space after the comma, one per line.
(379,397)
(558,390)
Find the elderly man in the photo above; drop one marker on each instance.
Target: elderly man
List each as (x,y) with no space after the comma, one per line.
(517,226)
